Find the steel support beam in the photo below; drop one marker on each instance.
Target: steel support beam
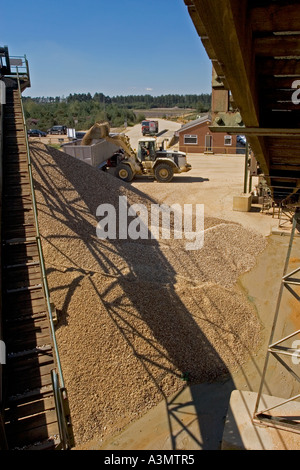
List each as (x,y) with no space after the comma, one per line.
(257,131)
(276,349)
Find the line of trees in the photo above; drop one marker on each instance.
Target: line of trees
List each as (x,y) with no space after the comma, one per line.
(82,110)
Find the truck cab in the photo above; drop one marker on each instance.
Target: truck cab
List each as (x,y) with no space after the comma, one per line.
(146,149)
(162,164)
(149,127)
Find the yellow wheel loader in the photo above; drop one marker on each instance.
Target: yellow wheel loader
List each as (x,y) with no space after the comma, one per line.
(148,160)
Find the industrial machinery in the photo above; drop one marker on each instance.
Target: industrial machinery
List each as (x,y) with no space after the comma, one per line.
(162,164)
(148,160)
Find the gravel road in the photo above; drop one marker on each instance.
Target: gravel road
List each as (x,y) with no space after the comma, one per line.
(134,133)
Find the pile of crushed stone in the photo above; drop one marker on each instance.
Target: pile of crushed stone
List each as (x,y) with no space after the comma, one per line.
(138,318)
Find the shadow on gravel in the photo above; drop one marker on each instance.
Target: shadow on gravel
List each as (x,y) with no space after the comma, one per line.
(176,179)
(148,314)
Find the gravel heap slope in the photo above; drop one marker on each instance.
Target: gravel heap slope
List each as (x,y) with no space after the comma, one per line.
(136,317)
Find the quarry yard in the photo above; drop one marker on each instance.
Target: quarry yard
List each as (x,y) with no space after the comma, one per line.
(138,319)
(150,232)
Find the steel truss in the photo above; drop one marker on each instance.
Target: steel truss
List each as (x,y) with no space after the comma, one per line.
(276,349)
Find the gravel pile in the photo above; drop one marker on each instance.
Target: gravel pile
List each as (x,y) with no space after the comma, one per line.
(137,318)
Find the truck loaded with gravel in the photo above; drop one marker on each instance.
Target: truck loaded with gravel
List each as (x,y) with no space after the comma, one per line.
(107,151)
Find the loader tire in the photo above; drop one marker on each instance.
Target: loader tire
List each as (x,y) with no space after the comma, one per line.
(164,173)
(124,173)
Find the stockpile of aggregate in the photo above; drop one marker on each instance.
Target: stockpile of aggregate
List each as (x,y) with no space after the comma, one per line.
(137,317)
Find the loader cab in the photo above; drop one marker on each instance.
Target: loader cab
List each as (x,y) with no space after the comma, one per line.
(146,149)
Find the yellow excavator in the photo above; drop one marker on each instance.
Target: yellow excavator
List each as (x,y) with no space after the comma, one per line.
(148,160)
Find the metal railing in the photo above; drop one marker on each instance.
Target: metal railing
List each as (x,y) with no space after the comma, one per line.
(19,65)
(60,393)
(19,68)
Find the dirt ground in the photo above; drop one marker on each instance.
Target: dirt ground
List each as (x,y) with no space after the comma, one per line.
(166,131)
(194,419)
(213,181)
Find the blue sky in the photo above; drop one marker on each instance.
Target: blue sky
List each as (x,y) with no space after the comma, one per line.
(118,47)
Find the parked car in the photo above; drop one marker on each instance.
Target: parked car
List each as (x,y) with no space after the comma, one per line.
(80,135)
(58,130)
(36,133)
(241,139)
